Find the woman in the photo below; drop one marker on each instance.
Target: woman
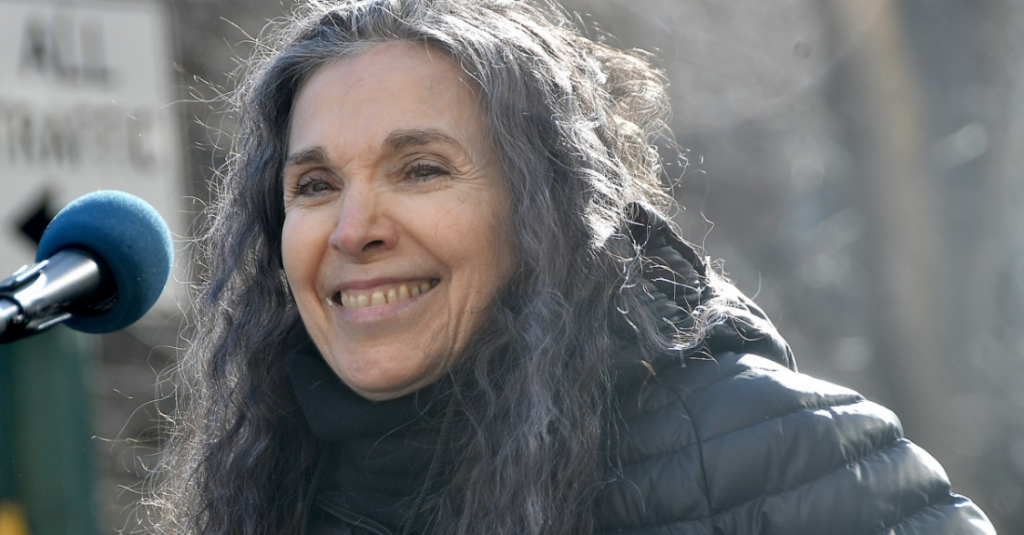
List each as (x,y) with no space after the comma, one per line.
(443,297)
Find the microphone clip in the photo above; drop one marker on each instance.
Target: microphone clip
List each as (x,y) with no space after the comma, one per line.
(41,295)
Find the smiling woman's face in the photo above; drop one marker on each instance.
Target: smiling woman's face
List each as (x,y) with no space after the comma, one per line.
(393,241)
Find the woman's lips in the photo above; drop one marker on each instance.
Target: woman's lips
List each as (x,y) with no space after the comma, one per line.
(382,295)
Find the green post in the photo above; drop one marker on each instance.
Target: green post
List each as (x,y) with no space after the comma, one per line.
(10,506)
(45,445)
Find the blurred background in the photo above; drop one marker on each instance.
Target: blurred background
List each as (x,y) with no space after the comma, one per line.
(855,165)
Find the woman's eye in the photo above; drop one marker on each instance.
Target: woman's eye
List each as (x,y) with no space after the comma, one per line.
(424,171)
(312,185)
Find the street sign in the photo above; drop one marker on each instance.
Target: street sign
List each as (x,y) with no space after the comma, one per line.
(85,104)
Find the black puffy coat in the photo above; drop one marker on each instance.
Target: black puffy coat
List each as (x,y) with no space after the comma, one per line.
(728,438)
(741,444)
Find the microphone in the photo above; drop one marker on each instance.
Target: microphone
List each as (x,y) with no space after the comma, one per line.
(101,264)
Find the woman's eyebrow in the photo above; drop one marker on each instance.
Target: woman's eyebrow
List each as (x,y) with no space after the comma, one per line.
(311,155)
(397,140)
(401,139)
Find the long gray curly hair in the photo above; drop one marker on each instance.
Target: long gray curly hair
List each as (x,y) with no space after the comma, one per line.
(574,123)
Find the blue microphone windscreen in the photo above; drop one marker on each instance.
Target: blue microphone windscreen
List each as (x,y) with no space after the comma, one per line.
(131,239)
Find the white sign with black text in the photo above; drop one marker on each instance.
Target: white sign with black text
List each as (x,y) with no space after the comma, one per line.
(85,104)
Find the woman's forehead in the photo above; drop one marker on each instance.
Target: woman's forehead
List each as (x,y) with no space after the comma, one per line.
(370,99)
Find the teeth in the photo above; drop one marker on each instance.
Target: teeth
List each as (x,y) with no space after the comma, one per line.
(383,297)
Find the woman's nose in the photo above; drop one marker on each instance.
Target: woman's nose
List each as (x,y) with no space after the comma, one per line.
(364,226)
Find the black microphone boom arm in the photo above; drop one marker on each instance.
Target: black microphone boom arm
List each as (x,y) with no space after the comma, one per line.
(41,295)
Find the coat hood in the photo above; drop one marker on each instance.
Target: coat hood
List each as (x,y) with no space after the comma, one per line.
(704,312)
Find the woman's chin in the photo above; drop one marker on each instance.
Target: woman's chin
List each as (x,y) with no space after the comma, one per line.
(382,385)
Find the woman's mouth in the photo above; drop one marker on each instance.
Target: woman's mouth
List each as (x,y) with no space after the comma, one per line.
(382,295)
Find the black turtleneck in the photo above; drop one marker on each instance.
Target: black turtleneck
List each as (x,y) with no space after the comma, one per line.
(378,453)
